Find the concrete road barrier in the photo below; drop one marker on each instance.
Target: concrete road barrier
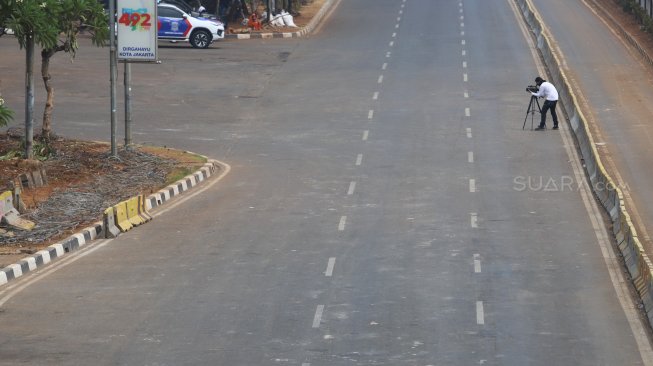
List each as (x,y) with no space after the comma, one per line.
(133,211)
(125,215)
(122,220)
(638,264)
(10,216)
(3,210)
(142,210)
(111,230)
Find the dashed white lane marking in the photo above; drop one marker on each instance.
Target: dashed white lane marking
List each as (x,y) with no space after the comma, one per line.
(387,54)
(343,223)
(401,12)
(466,94)
(330,265)
(462,25)
(397,26)
(470,157)
(318,316)
(472,185)
(473,220)
(394,35)
(370,114)
(464,64)
(480,316)
(462,17)
(462,42)
(359,159)
(477,263)
(468,112)
(392,43)
(380,80)
(375,96)
(385,66)
(462,33)
(398,19)
(465,79)
(366,134)
(464,52)
(469,133)
(352,187)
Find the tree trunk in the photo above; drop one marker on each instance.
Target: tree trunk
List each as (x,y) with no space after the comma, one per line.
(46,129)
(29,97)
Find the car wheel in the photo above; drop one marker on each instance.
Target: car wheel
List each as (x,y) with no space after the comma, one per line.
(200,39)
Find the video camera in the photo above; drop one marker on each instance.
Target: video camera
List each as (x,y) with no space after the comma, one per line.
(532,88)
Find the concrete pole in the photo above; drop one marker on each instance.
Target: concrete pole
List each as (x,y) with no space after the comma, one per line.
(113,71)
(128,105)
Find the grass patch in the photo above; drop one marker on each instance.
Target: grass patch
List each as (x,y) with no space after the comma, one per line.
(189,163)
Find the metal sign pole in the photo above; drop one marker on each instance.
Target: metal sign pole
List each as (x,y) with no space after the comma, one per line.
(114,74)
(128,105)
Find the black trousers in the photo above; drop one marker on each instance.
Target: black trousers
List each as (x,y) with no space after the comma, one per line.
(549,104)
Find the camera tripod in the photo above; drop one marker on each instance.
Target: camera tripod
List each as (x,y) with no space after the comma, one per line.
(531,109)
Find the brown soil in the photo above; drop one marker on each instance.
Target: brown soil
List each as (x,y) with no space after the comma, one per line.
(82,180)
(628,22)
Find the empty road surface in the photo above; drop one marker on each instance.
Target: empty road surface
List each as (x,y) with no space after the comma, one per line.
(384,207)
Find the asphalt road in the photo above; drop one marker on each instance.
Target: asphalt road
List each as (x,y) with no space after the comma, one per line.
(617,86)
(384,207)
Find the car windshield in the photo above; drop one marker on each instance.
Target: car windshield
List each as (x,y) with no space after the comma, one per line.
(166,12)
(181,5)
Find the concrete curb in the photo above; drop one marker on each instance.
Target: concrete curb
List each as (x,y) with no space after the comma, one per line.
(300,33)
(51,253)
(97,230)
(180,186)
(606,191)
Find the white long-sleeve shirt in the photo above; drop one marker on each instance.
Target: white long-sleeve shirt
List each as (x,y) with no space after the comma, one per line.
(548,91)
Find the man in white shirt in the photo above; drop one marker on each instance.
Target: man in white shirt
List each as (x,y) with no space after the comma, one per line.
(550,94)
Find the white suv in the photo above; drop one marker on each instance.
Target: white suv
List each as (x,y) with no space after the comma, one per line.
(175,24)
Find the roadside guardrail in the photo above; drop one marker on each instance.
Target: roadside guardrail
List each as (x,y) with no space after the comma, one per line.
(607,192)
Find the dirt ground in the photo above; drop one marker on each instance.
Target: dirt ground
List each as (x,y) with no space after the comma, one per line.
(301,19)
(82,180)
(628,22)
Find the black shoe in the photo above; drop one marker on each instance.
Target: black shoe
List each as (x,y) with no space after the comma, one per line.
(555,127)
(540,128)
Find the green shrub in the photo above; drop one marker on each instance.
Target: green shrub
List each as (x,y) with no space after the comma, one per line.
(633,7)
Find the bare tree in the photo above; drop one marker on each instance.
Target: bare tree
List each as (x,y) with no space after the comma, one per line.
(71,16)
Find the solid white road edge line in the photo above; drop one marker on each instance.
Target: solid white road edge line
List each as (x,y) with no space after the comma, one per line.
(614,267)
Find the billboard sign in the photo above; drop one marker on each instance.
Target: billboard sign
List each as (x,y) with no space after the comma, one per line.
(136,29)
